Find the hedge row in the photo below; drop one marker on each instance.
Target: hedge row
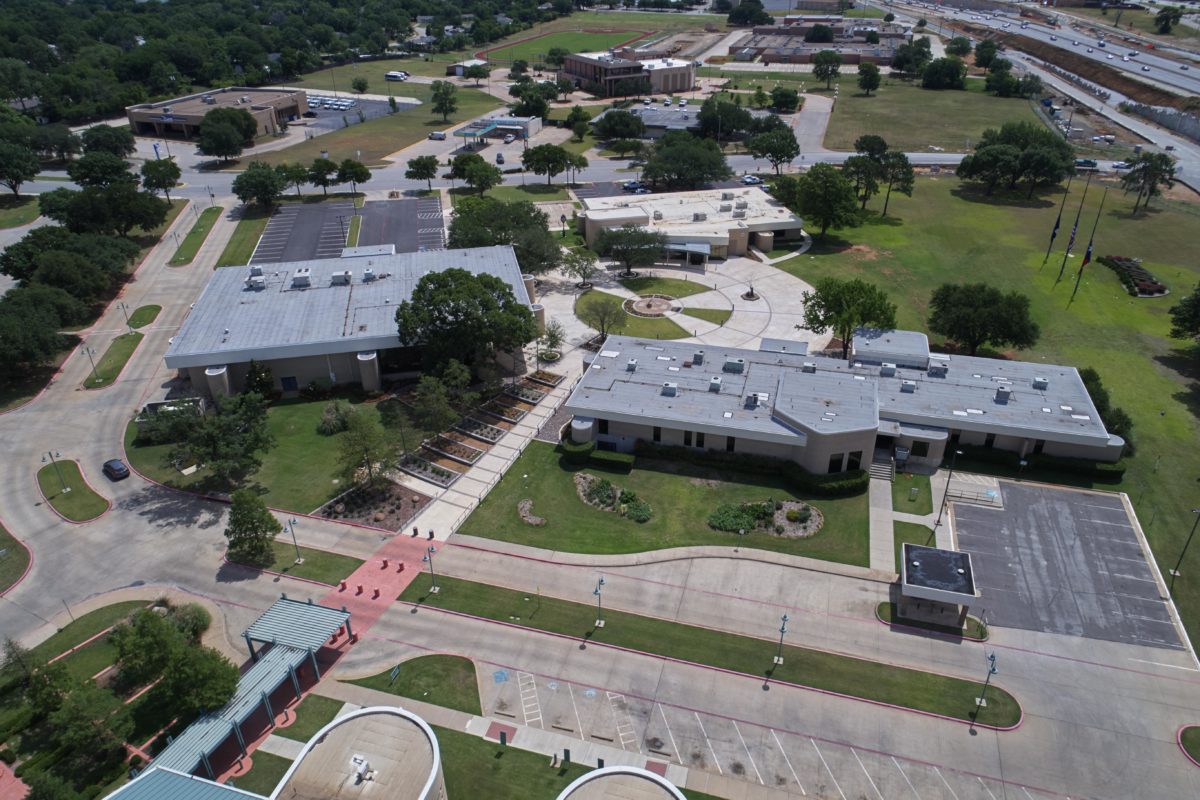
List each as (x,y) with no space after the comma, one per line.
(581,453)
(838,484)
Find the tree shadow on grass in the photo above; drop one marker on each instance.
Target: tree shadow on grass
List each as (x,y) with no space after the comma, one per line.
(829,244)
(1129,215)
(1015,198)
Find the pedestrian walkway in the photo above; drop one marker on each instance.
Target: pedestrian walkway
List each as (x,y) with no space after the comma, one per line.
(883,517)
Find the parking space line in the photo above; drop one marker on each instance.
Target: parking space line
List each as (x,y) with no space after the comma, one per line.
(985,787)
(578,721)
(946,783)
(906,780)
(1027,794)
(747,749)
(864,769)
(711,751)
(530,707)
(788,761)
(621,718)
(667,725)
(827,769)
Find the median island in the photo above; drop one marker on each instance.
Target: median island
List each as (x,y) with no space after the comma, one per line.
(853,677)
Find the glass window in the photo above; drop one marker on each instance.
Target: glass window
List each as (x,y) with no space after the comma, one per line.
(835,462)
(729,444)
(699,439)
(603,426)
(687,438)
(920,449)
(855,460)
(657,434)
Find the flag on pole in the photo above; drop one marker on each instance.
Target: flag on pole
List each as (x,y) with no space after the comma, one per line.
(1087,257)
(1058,221)
(1074,230)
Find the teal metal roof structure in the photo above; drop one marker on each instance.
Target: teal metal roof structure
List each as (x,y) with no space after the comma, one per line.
(296,623)
(156,783)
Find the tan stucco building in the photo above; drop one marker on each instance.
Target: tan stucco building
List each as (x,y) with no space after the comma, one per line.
(271,109)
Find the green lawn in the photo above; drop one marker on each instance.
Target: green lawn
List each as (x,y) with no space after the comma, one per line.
(80,504)
(13,562)
(644,327)
(109,367)
(18,211)
(479,768)
(579,41)
(910,533)
(196,236)
(952,233)
(319,565)
(148,239)
(534,192)
(85,627)
(352,231)
(717,316)
(245,237)
(313,713)
(828,671)
(681,496)
(381,137)
(266,771)
(1137,20)
(901,494)
(973,629)
(143,316)
(672,287)
(447,681)
(1191,741)
(88,661)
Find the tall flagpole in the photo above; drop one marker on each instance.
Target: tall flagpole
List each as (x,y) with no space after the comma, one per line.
(1074,230)
(1087,257)
(1058,222)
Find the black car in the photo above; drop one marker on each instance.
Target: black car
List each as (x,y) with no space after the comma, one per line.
(115,469)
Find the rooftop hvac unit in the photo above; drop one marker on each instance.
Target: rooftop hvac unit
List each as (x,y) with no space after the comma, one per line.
(670,389)
(698,358)
(726,195)
(740,214)
(741,204)
(699,216)
(1041,383)
(725,207)
(256,282)
(658,215)
(165,109)
(809,366)
(1003,394)
(255,270)
(887,370)
(368,275)
(751,401)
(245,98)
(938,369)
(631,365)
(908,386)
(714,385)
(302,278)
(736,365)
(341,278)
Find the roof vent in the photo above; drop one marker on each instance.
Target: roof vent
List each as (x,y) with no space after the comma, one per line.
(1041,383)
(1003,394)
(908,386)
(341,278)
(256,282)
(726,195)
(741,204)
(302,278)
(887,370)
(699,216)
(698,358)
(166,109)
(368,275)
(670,389)
(809,366)
(752,400)
(740,214)
(255,270)
(714,385)
(631,365)
(938,369)
(725,207)
(658,215)
(737,365)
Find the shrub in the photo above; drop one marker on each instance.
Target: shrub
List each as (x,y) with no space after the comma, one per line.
(639,511)
(577,452)
(192,620)
(335,418)
(612,461)
(602,493)
(731,517)
(779,529)
(7,755)
(836,485)
(627,497)
(317,390)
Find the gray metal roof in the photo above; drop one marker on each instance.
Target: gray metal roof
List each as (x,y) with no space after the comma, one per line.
(783,346)
(157,783)
(874,345)
(297,623)
(232,323)
(934,568)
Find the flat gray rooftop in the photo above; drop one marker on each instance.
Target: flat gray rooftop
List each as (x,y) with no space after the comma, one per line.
(934,568)
(232,323)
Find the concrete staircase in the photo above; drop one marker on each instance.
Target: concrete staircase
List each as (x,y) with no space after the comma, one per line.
(883,469)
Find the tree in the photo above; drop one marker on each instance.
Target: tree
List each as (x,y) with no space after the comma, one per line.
(872,37)
(199,679)
(241,120)
(760,99)
(55,141)
(476,72)
(364,444)
(944,73)
(229,440)
(353,172)
(482,176)
(100,169)
(604,318)
(322,173)
(294,175)
(721,120)
(443,99)
(1001,82)
(145,645)
(459,164)
(1039,166)
(221,140)
(1167,18)
(580,264)
(18,165)
(985,51)
(485,221)
(619,124)
(976,314)
(680,159)
(72,273)
(630,147)
(1026,136)
(827,64)
(519,67)
(546,159)
(1148,173)
(579,130)
(251,529)
(749,12)
(578,114)
(554,337)
(826,198)
(844,306)
(910,58)
(990,164)
(778,147)
(1185,317)
(161,175)
(422,168)
(819,34)
(897,176)
(868,77)
(29,338)
(864,173)
(45,786)
(889,17)
(1030,85)
(259,379)
(556,56)
(359,84)
(108,139)
(632,246)
(872,146)
(260,183)
(432,406)
(88,721)
(454,313)
(784,100)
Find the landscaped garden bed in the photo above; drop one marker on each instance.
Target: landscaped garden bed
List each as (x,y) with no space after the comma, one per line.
(384,504)
(505,412)
(1136,279)
(783,517)
(444,445)
(601,493)
(425,470)
(480,430)
(546,377)
(525,393)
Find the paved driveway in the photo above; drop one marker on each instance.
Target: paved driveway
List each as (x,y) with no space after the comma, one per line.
(410,223)
(302,232)
(1062,561)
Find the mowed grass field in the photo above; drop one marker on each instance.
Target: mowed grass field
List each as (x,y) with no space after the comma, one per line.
(534,50)
(949,232)
(1137,20)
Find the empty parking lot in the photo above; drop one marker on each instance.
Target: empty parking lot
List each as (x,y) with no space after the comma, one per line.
(1067,562)
(411,224)
(298,232)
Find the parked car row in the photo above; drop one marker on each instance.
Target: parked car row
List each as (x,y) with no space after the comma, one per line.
(331,103)
(398,75)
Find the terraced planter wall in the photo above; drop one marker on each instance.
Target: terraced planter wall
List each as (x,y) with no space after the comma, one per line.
(526,393)
(420,468)
(454,450)
(546,378)
(506,413)
(480,430)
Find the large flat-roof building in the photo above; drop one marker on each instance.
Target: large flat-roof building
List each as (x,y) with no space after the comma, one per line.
(716,223)
(662,73)
(322,320)
(271,109)
(659,119)
(830,415)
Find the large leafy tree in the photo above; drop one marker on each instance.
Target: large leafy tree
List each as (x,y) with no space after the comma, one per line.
(251,529)
(827,64)
(444,99)
(108,139)
(199,679)
(681,160)
(29,338)
(260,183)
(228,441)
(145,646)
(1116,419)
(959,46)
(364,445)
(1028,136)
(88,721)
(1148,174)
(219,139)
(864,173)
(784,99)
(353,172)
(1167,18)
(485,221)
(160,175)
(778,146)
(868,77)
(294,175)
(422,168)
(944,73)
(604,318)
(825,197)
(1185,317)
(323,173)
(433,406)
(910,58)
(632,246)
(18,165)
(897,176)
(976,314)
(619,124)
(749,12)
(482,176)
(239,119)
(872,146)
(843,306)
(985,52)
(546,159)
(454,313)
(721,120)
(991,164)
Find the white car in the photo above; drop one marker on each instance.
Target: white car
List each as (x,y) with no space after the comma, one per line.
(667,102)
(1110,57)
(1054,38)
(509,138)
(396,76)
(751,180)
(1090,50)
(682,102)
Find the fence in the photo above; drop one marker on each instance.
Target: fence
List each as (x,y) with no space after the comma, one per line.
(1180,122)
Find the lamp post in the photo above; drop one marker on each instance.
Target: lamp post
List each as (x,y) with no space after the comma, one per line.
(1175,571)
(946,494)
(428,558)
(599,611)
(90,354)
(562,218)
(52,454)
(292,529)
(778,661)
(981,701)
(125,309)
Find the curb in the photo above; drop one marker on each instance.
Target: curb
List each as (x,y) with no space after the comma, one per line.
(1179,741)
(28,566)
(264,571)
(950,637)
(124,366)
(82,477)
(1020,721)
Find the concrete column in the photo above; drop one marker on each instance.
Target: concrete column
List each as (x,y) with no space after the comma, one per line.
(539,315)
(250,645)
(529,287)
(238,733)
(218,381)
(368,371)
(313,655)
(266,701)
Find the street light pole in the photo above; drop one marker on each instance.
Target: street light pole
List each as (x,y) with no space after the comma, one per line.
(90,352)
(946,494)
(981,701)
(782,631)
(57,471)
(125,309)
(599,610)
(428,557)
(1175,571)
(292,528)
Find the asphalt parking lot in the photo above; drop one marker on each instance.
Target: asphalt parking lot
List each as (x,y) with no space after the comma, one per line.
(331,119)
(1066,562)
(410,223)
(299,232)
(613,188)
(806,765)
